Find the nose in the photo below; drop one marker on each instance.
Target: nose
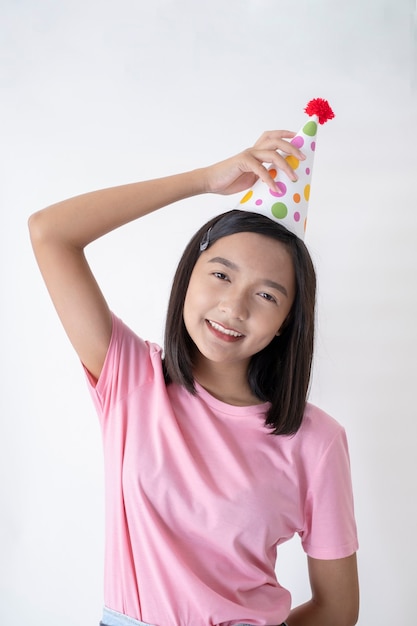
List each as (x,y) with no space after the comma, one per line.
(235,306)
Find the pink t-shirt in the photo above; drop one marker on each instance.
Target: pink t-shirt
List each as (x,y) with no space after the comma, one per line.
(199,494)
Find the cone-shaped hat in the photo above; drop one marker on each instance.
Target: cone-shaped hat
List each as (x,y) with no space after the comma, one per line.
(289,204)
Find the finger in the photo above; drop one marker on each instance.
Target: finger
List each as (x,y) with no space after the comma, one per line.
(276,159)
(275,140)
(272,136)
(284,149)
(286,134)
(256,165)
(263,173)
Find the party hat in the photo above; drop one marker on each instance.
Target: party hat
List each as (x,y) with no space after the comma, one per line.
(289,204)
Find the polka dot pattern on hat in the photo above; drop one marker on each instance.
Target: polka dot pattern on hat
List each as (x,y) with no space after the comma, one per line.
(288,203)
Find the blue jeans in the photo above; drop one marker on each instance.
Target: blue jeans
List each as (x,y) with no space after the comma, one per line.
(113,618)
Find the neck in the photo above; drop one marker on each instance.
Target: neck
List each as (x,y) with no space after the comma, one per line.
(226,382)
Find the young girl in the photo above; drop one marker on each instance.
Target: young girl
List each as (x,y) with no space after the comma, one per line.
(212,455)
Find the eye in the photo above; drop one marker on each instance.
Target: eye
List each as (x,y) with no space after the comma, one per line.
(268,297)
(220,276)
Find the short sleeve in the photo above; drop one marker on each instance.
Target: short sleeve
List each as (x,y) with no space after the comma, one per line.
(130,363)
(330,528)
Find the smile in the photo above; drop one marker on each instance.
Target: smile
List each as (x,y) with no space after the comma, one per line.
(225,331)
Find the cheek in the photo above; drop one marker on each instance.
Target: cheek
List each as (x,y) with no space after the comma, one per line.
(193,303)
(197,297)
(271,327)
(187,309)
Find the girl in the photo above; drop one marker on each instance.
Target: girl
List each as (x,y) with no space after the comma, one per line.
(212,455)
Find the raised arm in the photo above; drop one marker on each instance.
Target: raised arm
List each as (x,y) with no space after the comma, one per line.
(60,233)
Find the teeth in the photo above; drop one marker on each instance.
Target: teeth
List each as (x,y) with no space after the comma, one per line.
(225,331)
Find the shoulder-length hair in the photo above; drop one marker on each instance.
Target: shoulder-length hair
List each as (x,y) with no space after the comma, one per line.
(280,373)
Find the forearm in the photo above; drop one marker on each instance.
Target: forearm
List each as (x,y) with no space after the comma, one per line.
(78,221)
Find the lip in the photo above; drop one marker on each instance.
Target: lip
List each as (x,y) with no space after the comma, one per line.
(226,334)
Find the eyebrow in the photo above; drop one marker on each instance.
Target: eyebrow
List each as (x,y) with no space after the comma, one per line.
(265,281)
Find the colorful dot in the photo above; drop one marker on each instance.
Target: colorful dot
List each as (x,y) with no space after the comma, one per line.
(307,171)
(272,172)
(292,162)
(313,145)
(307,192)
(282,190)
(258,202)
(310,128)
(247,196)
(305,224)
(297,141)
(296,197)
(297,216)
(279,210)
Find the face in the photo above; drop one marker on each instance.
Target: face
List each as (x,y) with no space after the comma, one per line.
(241,290)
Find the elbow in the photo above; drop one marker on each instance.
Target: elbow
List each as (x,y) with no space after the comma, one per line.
(344,612)
(353,616)
(353,606)
(346,616)
(43,234)
(36,227)
(45,230)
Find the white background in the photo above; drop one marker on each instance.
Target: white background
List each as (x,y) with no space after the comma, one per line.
(97,93)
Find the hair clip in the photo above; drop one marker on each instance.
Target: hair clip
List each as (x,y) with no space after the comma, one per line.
(205,242)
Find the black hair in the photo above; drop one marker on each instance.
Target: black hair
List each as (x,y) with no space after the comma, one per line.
(280,373)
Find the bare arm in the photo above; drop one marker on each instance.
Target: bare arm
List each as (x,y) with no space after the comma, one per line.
(335,594)
(60,233)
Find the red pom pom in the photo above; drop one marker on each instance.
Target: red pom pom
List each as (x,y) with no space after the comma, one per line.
(321,108)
